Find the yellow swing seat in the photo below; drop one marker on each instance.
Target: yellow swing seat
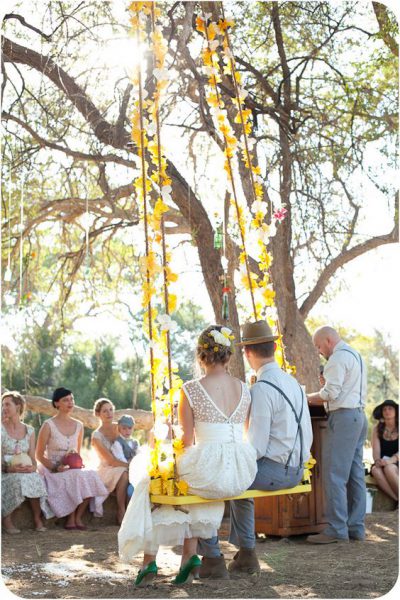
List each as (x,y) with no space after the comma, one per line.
(302,488)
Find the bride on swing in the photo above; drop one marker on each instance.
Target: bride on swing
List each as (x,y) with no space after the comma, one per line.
(217,463)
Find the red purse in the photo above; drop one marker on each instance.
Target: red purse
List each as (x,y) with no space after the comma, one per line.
(73,460)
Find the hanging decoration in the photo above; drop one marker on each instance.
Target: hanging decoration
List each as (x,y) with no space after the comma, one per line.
(217,109)
(216,36)
(8,272)
(153,187)
(86,225)
(21,244)
(153,190)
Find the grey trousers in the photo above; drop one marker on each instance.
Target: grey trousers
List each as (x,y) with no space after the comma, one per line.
(343,473)
(270,476)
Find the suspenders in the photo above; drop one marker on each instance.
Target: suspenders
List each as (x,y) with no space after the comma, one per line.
(358,359)
(299,431)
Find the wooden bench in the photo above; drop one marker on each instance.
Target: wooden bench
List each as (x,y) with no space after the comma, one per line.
(380,502)
(302,488)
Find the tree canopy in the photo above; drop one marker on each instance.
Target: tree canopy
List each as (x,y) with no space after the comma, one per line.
(322,83)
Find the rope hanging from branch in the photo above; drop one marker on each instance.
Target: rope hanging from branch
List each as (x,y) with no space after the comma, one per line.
(219,61)
(154,186)
(229,141)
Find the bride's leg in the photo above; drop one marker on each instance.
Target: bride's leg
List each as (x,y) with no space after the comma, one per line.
(148,558)
(189,549)
(148,571)
(190,562)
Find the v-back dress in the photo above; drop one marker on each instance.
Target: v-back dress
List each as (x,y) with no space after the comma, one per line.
(68,489)
(221,464)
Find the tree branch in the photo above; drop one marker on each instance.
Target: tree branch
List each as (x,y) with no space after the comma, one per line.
(106,133)
(345,257)
(74,153)
(384,22)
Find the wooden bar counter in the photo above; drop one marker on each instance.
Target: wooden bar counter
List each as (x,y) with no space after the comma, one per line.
(300,513)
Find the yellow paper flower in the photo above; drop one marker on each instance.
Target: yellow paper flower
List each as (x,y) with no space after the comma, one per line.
(182,487)
(178,446)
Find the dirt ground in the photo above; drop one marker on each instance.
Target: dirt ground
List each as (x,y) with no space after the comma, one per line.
(61,564)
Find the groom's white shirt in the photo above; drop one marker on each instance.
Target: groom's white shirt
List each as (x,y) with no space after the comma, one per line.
(272,426)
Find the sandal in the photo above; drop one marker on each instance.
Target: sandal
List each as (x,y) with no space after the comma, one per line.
(145,577)
(12,530)
(188,571)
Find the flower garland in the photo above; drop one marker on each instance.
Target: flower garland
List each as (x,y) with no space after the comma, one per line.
(217,106)
(144,17)
(216,35)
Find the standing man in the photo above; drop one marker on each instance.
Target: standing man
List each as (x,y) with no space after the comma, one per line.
(344,392)
(280,431)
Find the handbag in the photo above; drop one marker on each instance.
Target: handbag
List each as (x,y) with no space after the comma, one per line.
(73,460)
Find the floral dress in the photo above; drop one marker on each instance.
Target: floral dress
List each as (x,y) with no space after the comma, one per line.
(16,487)
(221,464)
(70,488)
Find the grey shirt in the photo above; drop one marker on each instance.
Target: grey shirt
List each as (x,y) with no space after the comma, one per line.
(272,425)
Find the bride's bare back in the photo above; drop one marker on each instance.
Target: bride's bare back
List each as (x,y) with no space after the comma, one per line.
(224,390)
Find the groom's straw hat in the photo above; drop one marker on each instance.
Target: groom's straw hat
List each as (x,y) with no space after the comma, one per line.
(257,333)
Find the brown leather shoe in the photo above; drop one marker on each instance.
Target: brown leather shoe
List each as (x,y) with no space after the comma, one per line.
(323,538)
(244,561)
(213,568)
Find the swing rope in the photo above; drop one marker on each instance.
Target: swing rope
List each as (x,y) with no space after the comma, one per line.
(141,153)
(213,83)
(247,161)
(164,252)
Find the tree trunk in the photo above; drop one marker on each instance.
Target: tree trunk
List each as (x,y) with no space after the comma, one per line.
(143,418)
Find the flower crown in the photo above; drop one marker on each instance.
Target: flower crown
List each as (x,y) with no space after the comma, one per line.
(223,338)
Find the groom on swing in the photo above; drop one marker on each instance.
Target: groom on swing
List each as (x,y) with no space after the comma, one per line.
(280,430)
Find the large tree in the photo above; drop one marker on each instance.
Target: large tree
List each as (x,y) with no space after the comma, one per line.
(324,116)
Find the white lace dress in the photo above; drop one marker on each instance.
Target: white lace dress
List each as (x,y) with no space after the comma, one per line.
(221,464)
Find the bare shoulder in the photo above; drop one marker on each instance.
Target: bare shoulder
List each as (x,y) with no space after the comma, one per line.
(46,426)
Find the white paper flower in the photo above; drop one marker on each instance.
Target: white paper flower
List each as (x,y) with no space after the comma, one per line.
(166,193)
(228,53)
(151,129)
(9,299)
(219,336)
(161,74)
(211,71)
(264,233)
(7,274)
(213,45)
(161,431)
(166,323)
(259,206)
(227,333)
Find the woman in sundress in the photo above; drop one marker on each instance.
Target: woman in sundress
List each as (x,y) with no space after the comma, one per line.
(113,472)
(70,490)
(19,477)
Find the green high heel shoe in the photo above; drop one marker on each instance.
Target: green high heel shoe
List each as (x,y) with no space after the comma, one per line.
(187,572)
(145,577)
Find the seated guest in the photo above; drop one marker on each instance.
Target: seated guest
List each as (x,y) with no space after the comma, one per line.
(19,478)
(70,490)
(385,448)
(113,472)
(125,448)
